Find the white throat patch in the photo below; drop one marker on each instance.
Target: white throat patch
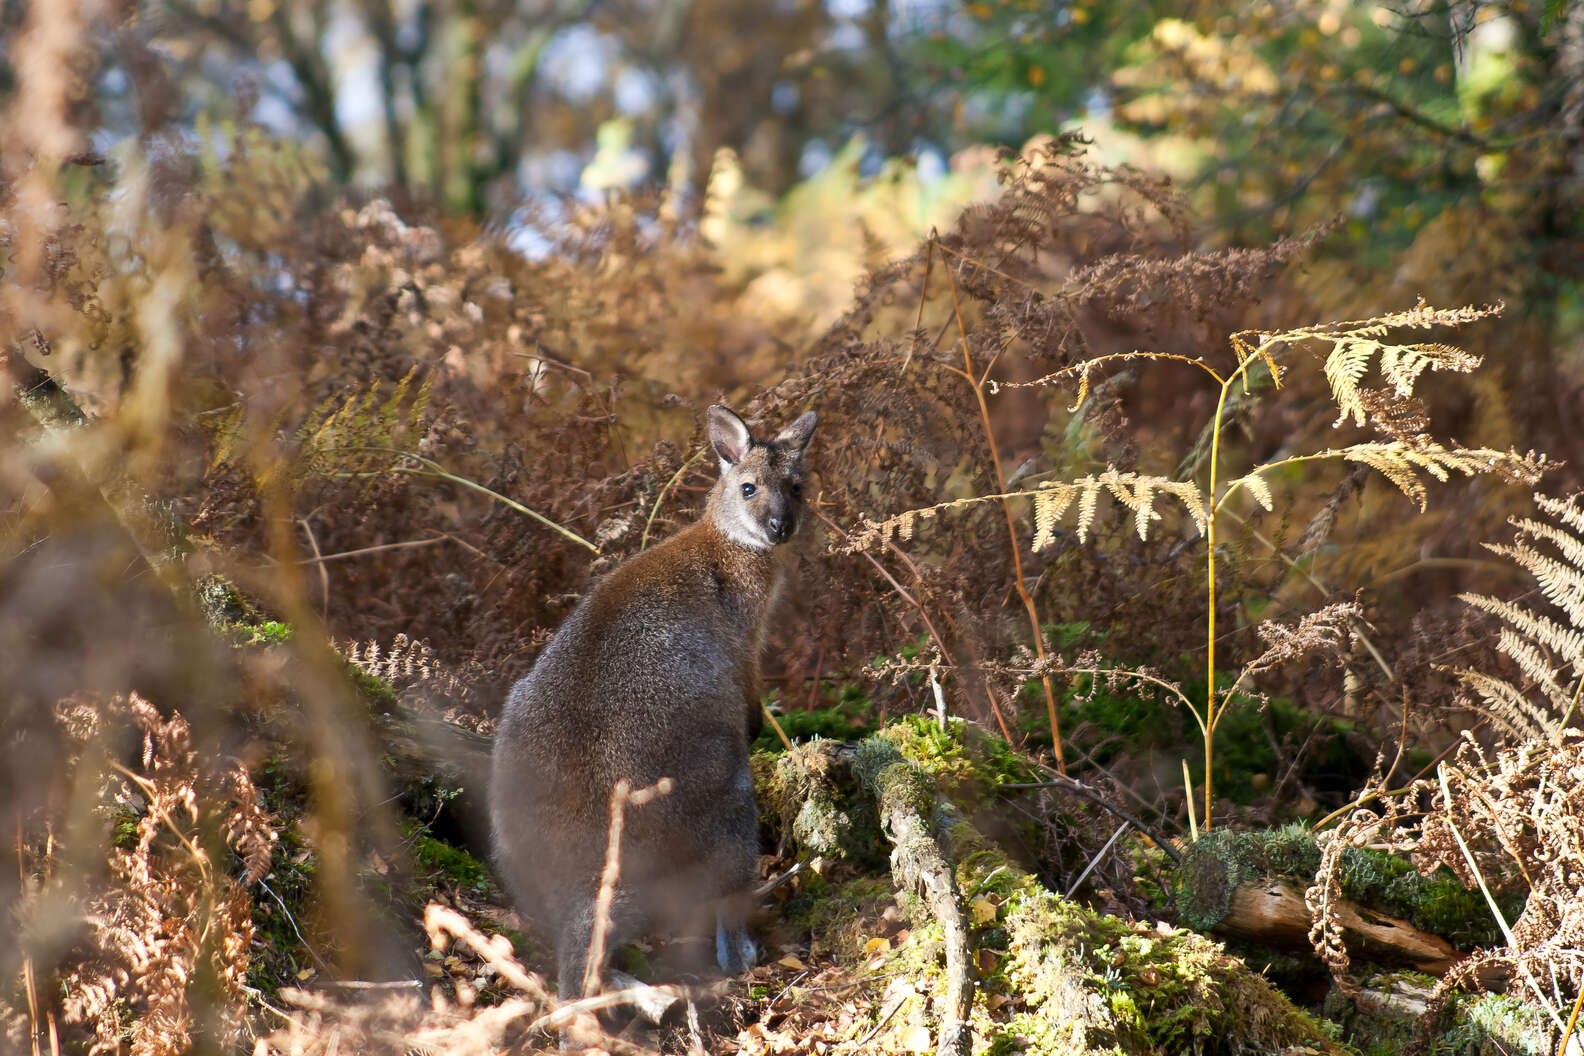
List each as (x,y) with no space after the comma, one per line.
(743,530)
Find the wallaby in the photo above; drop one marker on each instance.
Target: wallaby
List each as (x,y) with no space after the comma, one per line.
(654,674)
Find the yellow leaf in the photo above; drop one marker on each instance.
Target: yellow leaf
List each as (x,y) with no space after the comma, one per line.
(878,944)
(983,910)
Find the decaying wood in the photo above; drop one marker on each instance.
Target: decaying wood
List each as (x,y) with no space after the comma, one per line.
(1272,913)
(917,863)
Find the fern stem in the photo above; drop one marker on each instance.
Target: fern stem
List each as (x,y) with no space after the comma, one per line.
(433,469)
(643,543)
(1212,713)
(977,385)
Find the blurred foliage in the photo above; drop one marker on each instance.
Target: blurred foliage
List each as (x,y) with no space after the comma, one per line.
(517,247)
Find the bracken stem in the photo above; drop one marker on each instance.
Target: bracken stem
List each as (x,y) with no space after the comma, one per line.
(976,384)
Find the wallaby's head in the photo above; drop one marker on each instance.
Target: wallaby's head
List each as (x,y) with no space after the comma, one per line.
(758,500)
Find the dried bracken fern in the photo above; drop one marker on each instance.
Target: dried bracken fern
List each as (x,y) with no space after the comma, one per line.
(411,665)
(353,435)
(170,918)
(1404,458)
(1548,649)
(1134,491)
(1509,822)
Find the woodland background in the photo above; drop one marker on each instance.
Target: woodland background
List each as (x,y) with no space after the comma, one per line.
(346,342)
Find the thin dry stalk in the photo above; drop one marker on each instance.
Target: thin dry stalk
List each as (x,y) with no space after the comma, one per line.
(443,923)
(977,384)
(621,796)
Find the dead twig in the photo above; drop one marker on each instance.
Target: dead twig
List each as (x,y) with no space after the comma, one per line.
(621,796)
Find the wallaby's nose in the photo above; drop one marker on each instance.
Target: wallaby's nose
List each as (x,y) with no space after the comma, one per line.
(780,528)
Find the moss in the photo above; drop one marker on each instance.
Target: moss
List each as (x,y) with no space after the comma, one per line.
(840,917)
(373,689)
(265,633)
(1384,1018)
(1222,860)
(799,798)
(222,604)
(1076,979)
(282,910)
(845,721)
(1134,721)
(1438,903)
(1493,1025)
(1054,975)
(458,866)
(967,764)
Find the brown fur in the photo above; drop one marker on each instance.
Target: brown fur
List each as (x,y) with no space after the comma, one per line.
(655,674)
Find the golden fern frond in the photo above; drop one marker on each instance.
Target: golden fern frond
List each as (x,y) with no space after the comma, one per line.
(1561,583)
(1402,365)
(1420,317)
(1571,546)
(1401,463)
(1051,502)
(1136,492)
(1509,707)
(1549,654)
(1565,510)
(359,433)
(1257,486)
(1346,364)
(1535,663)
(1564,641)
(1356,343)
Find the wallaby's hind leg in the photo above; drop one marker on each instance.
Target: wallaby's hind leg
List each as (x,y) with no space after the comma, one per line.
(735,949)
(577,932)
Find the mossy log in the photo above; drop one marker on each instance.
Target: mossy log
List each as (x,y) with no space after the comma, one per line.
(435,766)
(1250,886)
(911,816)
(1053,976)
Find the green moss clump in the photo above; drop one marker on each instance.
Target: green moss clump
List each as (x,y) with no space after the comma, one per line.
(1439,903)
(222,603)
(1054,976)
(1084,981)
(846,720)
(373,689)
(1223,860)
(1493,1025)
(265,633)
(460,867)
(282,912)
(840,917)
(1138,720)
(967,764)
(125,824)
(797,797)
(1386,1016)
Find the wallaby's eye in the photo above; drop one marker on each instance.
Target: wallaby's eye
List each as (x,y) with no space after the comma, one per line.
(748,491)
(797,491)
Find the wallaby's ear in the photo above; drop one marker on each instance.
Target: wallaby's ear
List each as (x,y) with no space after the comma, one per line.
(796,436)
(728,435)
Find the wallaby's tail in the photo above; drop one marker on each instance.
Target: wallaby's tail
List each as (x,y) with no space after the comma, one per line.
(576,938)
